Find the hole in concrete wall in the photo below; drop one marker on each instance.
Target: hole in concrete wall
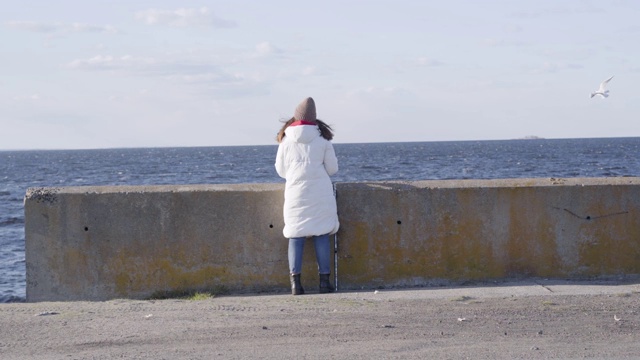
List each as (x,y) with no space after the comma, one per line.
(86,228)
(588,217)
(270,226)
(399,222)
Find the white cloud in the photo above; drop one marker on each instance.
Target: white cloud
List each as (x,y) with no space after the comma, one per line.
(265,48)
(109,62)
(33,26)
(183,18)
(553,67)
(375,92)
(292,73)
(89,28)
(191,70)
(201,74)
(424,61)
(504,42)
(168,68)
(59,27)
(513,28)
(631,29)
(309,70)
(129,96)
(569,54)
(32,97)
(584,8)
(207,78)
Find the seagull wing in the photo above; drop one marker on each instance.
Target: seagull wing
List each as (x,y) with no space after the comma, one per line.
(604,84)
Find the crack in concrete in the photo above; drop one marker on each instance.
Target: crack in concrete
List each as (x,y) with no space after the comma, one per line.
(588,217)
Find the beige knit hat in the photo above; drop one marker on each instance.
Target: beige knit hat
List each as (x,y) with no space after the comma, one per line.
(306,110)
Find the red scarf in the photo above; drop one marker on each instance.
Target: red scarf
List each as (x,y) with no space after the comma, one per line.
(302,122)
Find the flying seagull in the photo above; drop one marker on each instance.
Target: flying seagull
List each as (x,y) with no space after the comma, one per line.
(601,91)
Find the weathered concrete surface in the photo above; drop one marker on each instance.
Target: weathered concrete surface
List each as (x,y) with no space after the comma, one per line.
(96,243)
(420,233)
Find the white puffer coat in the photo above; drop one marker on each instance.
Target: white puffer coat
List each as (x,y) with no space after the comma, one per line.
(306,160)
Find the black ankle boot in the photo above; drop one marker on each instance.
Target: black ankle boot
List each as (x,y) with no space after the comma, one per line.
(325,285)
(296,285)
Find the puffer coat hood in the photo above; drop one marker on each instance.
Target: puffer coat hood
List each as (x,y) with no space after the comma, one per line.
(306,160)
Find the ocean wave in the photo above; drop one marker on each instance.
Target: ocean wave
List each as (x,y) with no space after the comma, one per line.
(11,221)
(5,193)
(11,299)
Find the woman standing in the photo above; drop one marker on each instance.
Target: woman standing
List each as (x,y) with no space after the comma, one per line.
(306,159)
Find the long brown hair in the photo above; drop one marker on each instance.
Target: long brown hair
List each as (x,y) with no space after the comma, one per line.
(325,130)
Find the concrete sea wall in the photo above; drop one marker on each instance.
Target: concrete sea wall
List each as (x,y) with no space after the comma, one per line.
(97,243)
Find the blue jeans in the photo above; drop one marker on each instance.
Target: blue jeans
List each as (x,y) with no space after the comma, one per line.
(323,254)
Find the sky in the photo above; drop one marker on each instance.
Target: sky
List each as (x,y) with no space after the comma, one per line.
(78,74)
